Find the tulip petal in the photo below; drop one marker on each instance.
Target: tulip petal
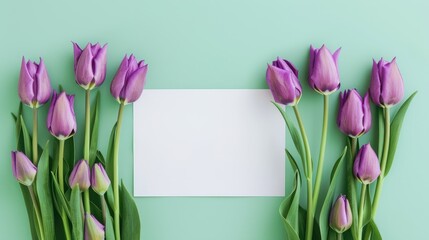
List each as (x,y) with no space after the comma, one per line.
(118,81)
(392,89)
(43,84)
(77,52)
(134,85)
(375,86)
(84,72)
(61,117)
(25,85)
(99,65)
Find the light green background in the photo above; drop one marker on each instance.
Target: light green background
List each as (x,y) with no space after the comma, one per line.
(224,44)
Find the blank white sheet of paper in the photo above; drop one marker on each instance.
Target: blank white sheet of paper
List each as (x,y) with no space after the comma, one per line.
(208,142)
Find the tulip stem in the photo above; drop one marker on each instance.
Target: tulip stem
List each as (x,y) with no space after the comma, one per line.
(35,133)
(37,212)
(383,161)
(310,214)
(361,211)
(339,236)
(87,142)
(103,208)
(61,182)
(115,171)
(322,150)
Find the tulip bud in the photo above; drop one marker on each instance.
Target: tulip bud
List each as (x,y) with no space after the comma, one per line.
(80,176)
(100,182)
(94,230)
(366,167)
(387,87)
(23,169)
(323,70)
(354,113)
(341,215)
(282,79)
(127,85)
(90,65)
(61,120)
(34,87)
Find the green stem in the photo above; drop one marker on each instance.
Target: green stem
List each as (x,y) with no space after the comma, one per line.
(339,236)
(361,211)
(115,172)
(35,133)
(87,142)
(37,212)
(310,212)
(61,182)
(322,150)
(383,161)
(103,208)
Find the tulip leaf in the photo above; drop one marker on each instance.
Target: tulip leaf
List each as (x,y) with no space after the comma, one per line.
(296,137)
(327,203)
(289,210)
(27,138)
(110,234)
(293,164)
(109,160)
(302,221)
(380,132)
(395,130)
(130,220)
(59,196)
(367,214)
(69,152)
(371,232)
(76,213)
(100,158)
(95,120)
(43,186)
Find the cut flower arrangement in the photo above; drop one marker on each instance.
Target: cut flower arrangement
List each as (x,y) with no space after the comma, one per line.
(65,197)
(348,216)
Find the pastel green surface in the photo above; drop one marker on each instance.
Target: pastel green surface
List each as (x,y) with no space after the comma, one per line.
(223,44)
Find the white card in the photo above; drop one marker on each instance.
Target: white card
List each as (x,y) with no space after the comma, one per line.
(207,142)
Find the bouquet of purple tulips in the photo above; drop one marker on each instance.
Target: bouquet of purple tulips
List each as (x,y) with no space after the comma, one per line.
(57,187)
(356,209)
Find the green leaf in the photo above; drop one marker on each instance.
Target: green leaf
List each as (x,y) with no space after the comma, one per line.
(27,138)
(59,196)
(110,234)
(76,213)
(100,158)
(289,210)
(326,207)
(367,208)
(43,186)
(372,232)
(395,130)
(69,152)
(302,221)
(380,132)
(109,164)
(94,130)
(293,164)
(296,137)
(130,220)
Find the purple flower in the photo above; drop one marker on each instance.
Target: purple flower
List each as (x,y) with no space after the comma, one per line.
(366,167)
(90,65)
(354,114)
(323,70)
(282,79)
(341,215)
(100,182)
(23,169)
(34,87)
(387,87)
(94,230)
(61,120)
(80,176)
(127,85)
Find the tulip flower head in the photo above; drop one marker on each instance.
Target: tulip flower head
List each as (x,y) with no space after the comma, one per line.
(282,79)
(323,70)
(341,215)
(23,169)
(94,230)
(128,83)
(366,167)
(100,182)
(61,120)
(34,86)
(387,87)
(80,176)
(354,113)
(90,65)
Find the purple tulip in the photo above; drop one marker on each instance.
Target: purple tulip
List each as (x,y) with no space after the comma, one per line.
(323,70)
(61,120)
(90,65)
(127,85)
(100,182)
(282,79)
(366,167)
(387,87)
(80,176)
(34,86)
(94,230)
(341,215)
(354,114)
(23,169)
